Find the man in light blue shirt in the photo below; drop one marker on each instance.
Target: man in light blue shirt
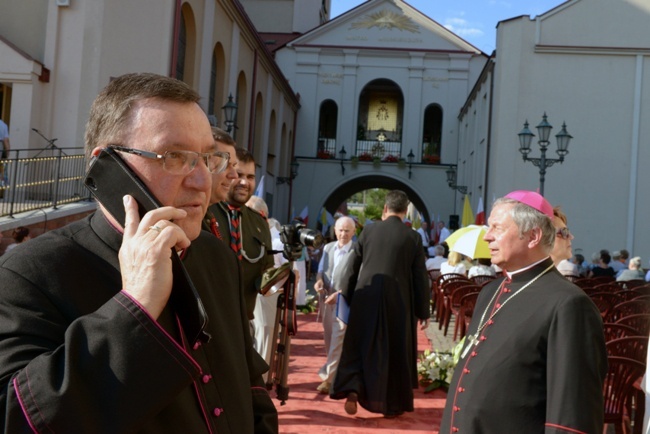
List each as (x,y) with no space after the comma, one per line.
(327,285)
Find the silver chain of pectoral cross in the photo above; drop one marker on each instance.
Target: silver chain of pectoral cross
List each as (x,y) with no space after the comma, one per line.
(473,339)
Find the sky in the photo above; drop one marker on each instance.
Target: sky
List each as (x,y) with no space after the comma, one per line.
(473,20)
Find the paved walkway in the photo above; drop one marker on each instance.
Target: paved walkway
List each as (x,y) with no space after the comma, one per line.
(439,342)
(307,411)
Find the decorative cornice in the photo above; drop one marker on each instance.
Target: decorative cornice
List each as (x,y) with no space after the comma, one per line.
(386,19)
(578,49)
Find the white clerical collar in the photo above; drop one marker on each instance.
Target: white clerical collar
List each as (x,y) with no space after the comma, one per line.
(521,270)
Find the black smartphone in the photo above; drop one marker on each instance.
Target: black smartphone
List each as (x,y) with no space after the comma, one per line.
(109,178)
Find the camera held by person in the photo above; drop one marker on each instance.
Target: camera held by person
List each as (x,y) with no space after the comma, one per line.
(295,236)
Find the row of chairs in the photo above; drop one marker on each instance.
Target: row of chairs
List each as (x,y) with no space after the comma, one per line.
(588,282)
(613,308)
(614,288)
(454,295)
(624,403)
(627,350)
(626,313)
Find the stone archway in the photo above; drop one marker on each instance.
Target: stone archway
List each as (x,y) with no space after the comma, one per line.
(356,185)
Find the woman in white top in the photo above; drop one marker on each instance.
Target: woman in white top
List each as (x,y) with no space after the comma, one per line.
(454,264)
(482,267)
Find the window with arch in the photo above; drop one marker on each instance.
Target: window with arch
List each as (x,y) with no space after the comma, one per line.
(213,84)
(186,46)
(241,99)
(327,124)
(182,46)
(272,144)
(380,120)
(432,134)
(217,73)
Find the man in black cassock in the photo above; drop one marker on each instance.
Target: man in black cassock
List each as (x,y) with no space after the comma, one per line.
(534,357)
(387,296)
(89,339)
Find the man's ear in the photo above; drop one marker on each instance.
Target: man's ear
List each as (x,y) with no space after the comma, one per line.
(534,237)
(384,212)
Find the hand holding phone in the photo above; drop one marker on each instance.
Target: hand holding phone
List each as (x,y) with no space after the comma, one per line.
(145,253)
(109,179)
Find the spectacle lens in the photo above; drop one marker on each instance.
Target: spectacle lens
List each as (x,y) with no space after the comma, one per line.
(182,162)
(563,233)
(217,162)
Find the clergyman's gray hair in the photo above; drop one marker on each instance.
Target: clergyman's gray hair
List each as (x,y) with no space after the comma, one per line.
(527,218)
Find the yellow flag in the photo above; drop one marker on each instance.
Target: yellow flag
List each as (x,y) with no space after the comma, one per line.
(468,215)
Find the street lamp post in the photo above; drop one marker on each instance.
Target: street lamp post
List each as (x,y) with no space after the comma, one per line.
(342,154)
(293,172)
(230,113)
(544,131)
(410,157)
(451,180)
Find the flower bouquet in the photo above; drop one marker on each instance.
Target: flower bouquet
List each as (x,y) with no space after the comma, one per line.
(390,158)
(431,159)
(311,304)
(365,156)
(435,368)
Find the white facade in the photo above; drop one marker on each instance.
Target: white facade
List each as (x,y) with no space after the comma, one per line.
(586,63)
(406,53)
(53,68)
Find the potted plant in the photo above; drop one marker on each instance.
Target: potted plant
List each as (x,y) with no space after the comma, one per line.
(431,159)
(435,368)
(324,155)
(354,161)
(365,156)
(376,161)
(390,158)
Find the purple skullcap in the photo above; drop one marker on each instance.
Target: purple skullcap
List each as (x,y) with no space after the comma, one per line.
(533,200)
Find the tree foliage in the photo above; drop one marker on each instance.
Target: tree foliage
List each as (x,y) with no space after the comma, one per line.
(373,201)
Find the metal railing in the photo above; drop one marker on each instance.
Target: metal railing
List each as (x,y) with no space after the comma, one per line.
(327,149)
(41,178)
(366,150)
(379,149)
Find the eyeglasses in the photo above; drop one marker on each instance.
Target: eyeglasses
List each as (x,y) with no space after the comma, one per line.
(182,162)
(563,233)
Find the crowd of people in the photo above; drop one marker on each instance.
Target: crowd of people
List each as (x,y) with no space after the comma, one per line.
(94,330)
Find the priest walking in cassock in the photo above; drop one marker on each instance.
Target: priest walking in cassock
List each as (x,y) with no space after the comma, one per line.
(387,295)
(534,358)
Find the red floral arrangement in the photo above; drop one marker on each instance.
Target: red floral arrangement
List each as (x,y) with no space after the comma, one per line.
(390,158)
(431,159)
(365,156)
(324,155)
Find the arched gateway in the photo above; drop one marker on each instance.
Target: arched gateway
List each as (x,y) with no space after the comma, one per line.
(352,186)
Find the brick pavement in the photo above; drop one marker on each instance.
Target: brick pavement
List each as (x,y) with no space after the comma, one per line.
(435,336)
(438,341)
